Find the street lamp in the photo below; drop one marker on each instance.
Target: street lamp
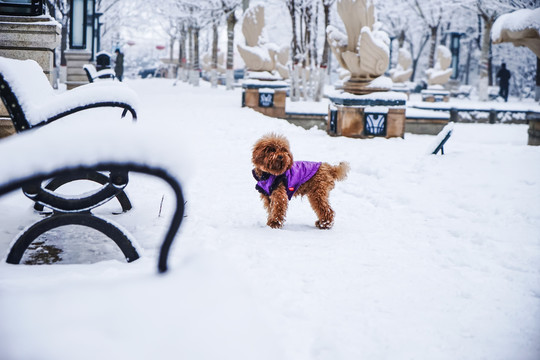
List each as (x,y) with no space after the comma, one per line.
(82,29)
(21,7)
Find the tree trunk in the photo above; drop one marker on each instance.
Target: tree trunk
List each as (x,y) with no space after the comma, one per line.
(231,22)
(537,95)
(433,45)
(294,42)
(417,56)
(468,64)
(214,74)
(189,66)
(308,54)
(182,54)
(325,56)
(483,83)
(294,71)
(196,63)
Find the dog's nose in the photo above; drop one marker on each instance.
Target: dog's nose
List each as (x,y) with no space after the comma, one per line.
(280,157)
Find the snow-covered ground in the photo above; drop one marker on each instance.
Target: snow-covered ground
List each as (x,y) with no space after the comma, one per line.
(431,257)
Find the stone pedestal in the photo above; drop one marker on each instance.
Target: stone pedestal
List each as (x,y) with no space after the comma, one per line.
(27,37)
(266,97)
(30,37)
(534,128)
(367,116)
(359,86)
(75,73)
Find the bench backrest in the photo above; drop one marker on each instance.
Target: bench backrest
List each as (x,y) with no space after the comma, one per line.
(91,72)
(23,85)
(97,75)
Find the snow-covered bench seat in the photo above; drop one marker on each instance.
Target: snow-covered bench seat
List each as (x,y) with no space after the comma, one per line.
(31,101)
(79,146)
(94,75)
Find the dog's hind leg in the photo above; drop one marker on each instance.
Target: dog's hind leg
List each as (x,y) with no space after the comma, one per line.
(320,204)
(278,207)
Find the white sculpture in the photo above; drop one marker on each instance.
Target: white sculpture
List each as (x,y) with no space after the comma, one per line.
(440,74)
(258,55)
(403,70)
(364,50)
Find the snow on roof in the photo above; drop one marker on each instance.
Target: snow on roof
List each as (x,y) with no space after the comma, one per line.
(516,21)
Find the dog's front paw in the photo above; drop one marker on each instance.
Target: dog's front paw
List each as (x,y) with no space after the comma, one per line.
(275,224)
(324,224)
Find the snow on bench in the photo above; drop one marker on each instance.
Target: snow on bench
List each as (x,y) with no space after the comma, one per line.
(94,75)
(31,100)
(441,139)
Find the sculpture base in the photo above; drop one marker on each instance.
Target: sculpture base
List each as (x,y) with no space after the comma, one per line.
(375,115)
(267,98)
(363,86)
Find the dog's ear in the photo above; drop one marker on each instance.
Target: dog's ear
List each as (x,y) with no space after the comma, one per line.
(257,156)
(257,174)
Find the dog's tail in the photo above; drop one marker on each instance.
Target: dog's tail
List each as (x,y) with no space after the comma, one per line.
(340,171)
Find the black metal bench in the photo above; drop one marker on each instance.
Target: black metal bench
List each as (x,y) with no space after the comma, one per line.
(441,139)
(32,103)
(97,75)
(20,170)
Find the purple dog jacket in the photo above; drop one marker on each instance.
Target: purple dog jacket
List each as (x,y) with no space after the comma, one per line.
(299,173)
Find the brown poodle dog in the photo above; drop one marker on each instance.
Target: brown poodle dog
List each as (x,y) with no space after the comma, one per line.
(279,178)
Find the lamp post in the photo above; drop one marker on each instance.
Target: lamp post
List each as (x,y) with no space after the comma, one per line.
(81,41)
(454,49)
(82,25)
(21,7)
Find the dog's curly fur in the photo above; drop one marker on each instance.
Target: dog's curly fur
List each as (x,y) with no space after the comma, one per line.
(272,154)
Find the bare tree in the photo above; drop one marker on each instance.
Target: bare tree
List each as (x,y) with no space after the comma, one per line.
(229,7)
(431,13)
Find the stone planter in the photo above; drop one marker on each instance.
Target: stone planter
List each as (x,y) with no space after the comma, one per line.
(367,116)
(266,97)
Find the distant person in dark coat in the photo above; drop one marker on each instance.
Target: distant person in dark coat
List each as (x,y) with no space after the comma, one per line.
(119,65)
(504,76)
